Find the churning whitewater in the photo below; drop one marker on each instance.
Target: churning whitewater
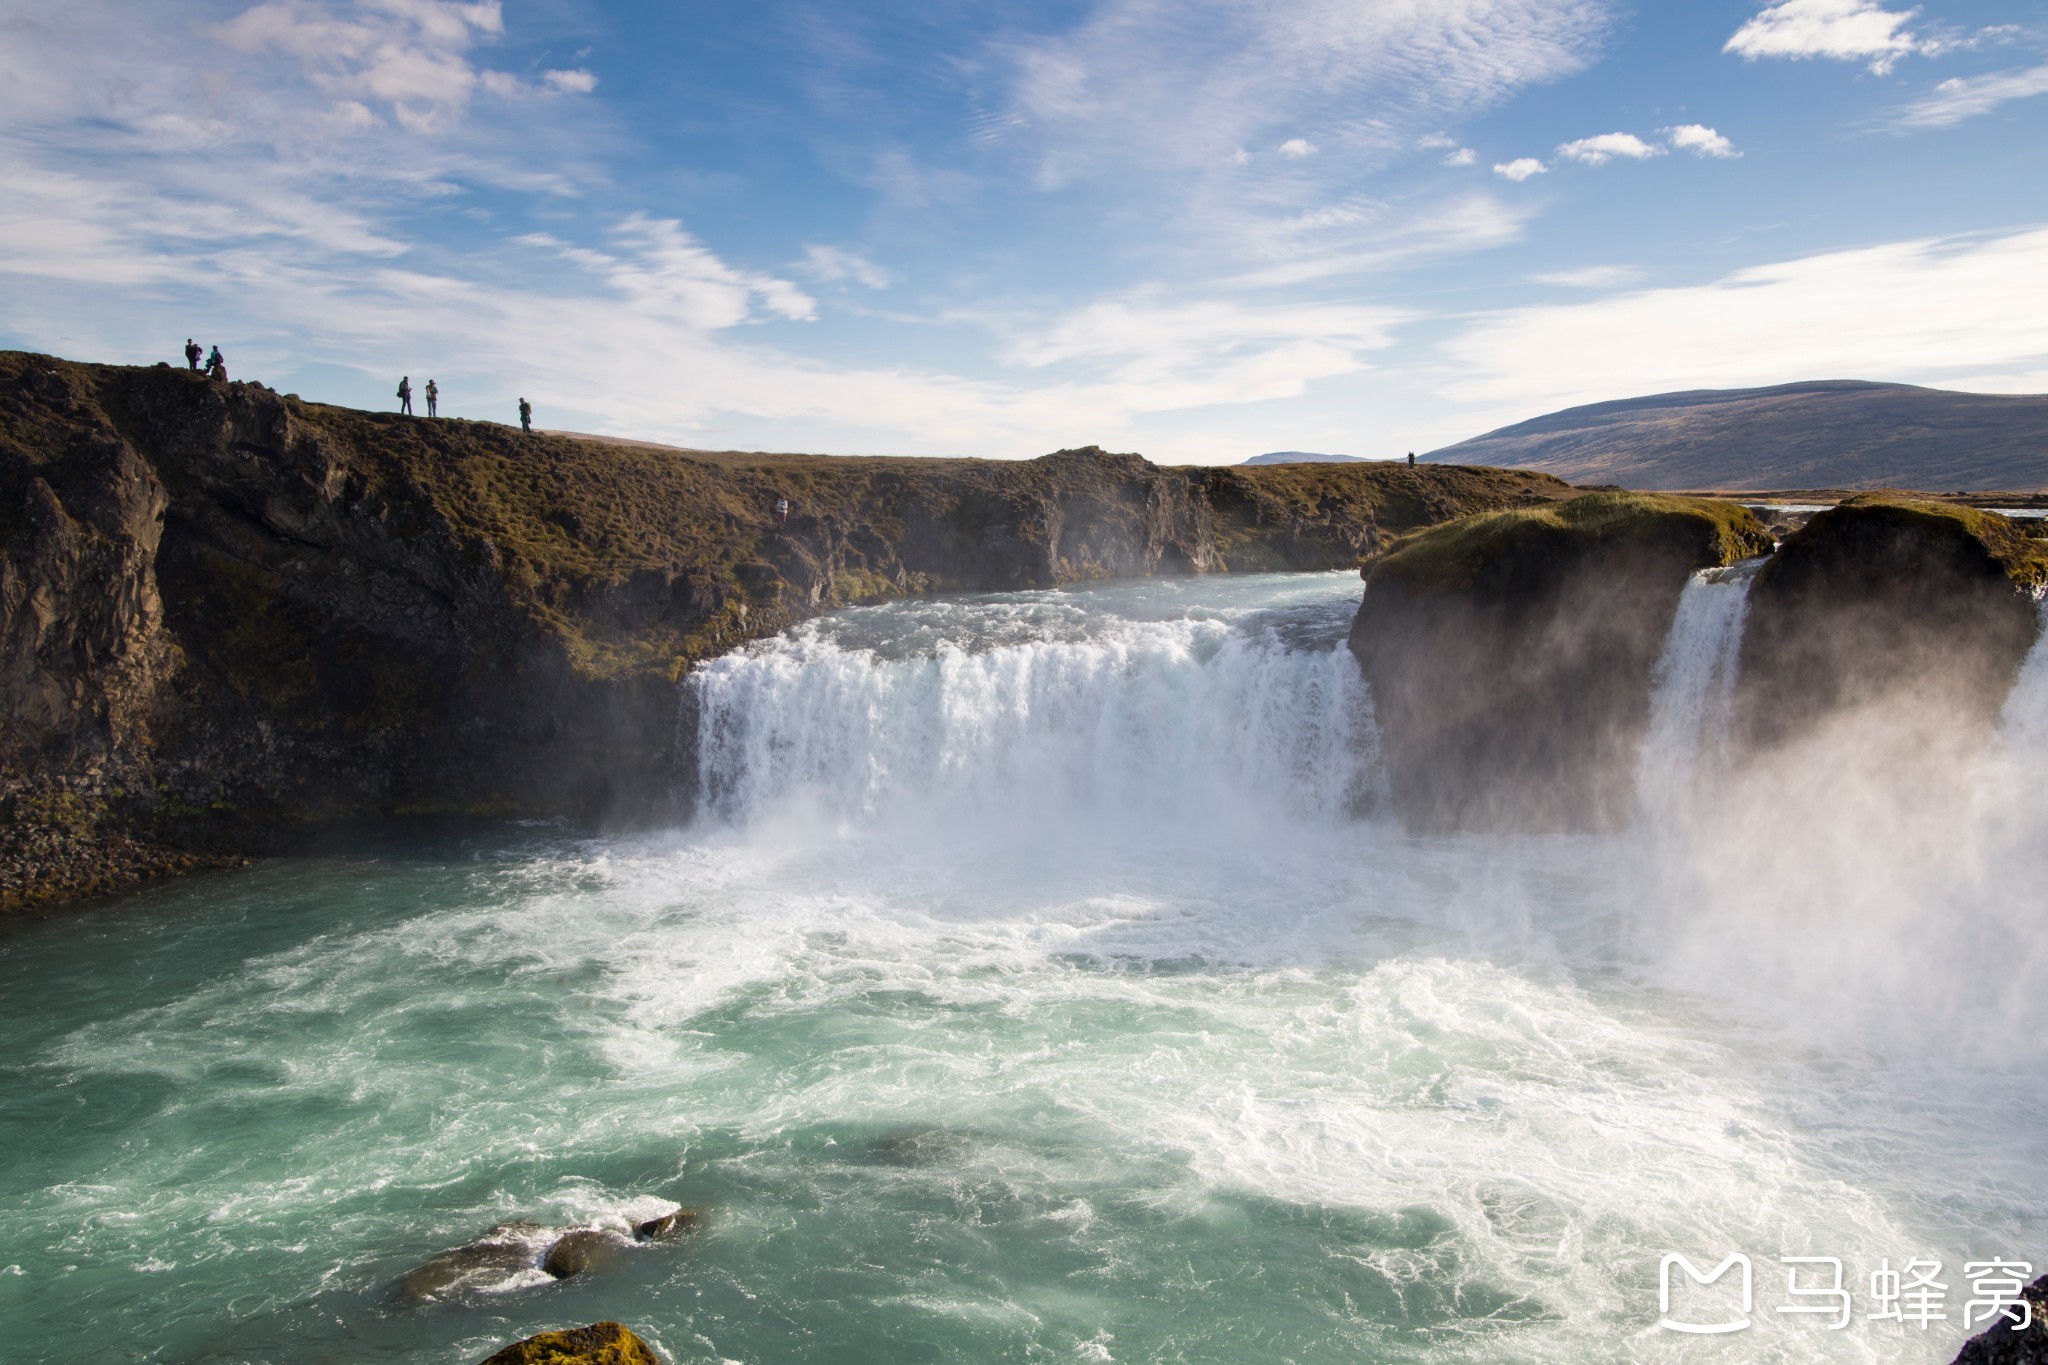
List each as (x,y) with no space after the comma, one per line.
(1042,979)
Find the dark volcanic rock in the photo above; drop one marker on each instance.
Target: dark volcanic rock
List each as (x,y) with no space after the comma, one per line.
(490,1259)
(669,1226)
(583,1250)
(1999,1344)
(1885,601)
(601,1343)
(1510,654)
(229,619)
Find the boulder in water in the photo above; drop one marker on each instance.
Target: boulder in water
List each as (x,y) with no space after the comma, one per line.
(920,1147)
(669,1226)
(1510,653)
(601,1343)
(492,1258)
(1998,1344)
(585,1249)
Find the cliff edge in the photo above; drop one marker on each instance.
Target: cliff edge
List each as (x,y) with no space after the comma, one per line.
(229,617)
(1510,653)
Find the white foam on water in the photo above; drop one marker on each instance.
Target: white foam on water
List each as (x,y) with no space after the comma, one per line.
(1210,1059)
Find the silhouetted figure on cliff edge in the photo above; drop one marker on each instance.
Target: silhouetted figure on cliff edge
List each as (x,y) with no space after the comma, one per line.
(217,366)
(192,354)
(405,394)
(1411,459)
(433,396)
(525,416)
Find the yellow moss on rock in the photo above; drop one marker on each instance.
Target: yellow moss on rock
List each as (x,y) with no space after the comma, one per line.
(1449,558)
(601,1343)
(2023,557)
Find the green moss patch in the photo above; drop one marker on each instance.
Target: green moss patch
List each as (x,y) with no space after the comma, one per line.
(1450,557)
(2022,556)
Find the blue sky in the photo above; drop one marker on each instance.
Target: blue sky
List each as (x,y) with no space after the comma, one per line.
(1200,229)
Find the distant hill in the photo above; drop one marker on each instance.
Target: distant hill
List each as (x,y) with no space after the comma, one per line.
(1301,457)
(1829,434)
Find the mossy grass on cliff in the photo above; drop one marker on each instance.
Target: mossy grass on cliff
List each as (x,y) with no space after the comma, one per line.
(2024,557)
(1450,557)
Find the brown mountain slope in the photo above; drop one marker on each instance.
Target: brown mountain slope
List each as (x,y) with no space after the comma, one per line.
(1829,434)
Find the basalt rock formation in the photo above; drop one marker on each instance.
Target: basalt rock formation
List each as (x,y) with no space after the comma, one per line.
(601,1343)
(2000,1344)
(1888,602)
(1510,653)
(229,617)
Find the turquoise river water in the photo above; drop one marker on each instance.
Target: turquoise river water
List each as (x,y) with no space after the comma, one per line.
(1041,981)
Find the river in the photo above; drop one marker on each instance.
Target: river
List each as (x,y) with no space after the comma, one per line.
(1043,979)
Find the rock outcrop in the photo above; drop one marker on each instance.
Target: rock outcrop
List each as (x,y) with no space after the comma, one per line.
(483,1264)
(229,618)
(601,1343)
(1510,653)
(584,1250)
(1999,1344)
(1885,601)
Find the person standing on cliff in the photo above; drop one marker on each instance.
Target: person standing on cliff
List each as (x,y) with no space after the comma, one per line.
(191,355)
(782,511)
(216,365)
(1411,459)
(405,394)
(433,397)
(525,416)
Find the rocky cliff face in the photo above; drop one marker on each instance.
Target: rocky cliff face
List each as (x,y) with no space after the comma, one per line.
(228,617)
(1510,654)
(1884,602)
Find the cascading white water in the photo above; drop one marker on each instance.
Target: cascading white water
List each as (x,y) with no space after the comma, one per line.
(987,711)
(1082,1026)
(1692,688)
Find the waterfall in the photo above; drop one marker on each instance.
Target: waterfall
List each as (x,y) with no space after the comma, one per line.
(964,712)
(2023,724)
(1692,690)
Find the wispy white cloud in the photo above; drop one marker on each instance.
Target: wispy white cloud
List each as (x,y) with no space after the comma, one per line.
(1966,97)
(833,263)
(1917,310)
(1372,237)
(658,266)
(1702,140)
(1520,169)
(1464,156)
(1843,30)
(1114,92)
(407,56)
(1599,150)
(1591,277)
(1297,148)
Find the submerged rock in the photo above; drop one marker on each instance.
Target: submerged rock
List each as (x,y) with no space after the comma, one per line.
(584,1250)
(1510,653)
(493,1257)
(601,1343)
(2000,1345)
(1889,600)
(920,1147)
(669,1226)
